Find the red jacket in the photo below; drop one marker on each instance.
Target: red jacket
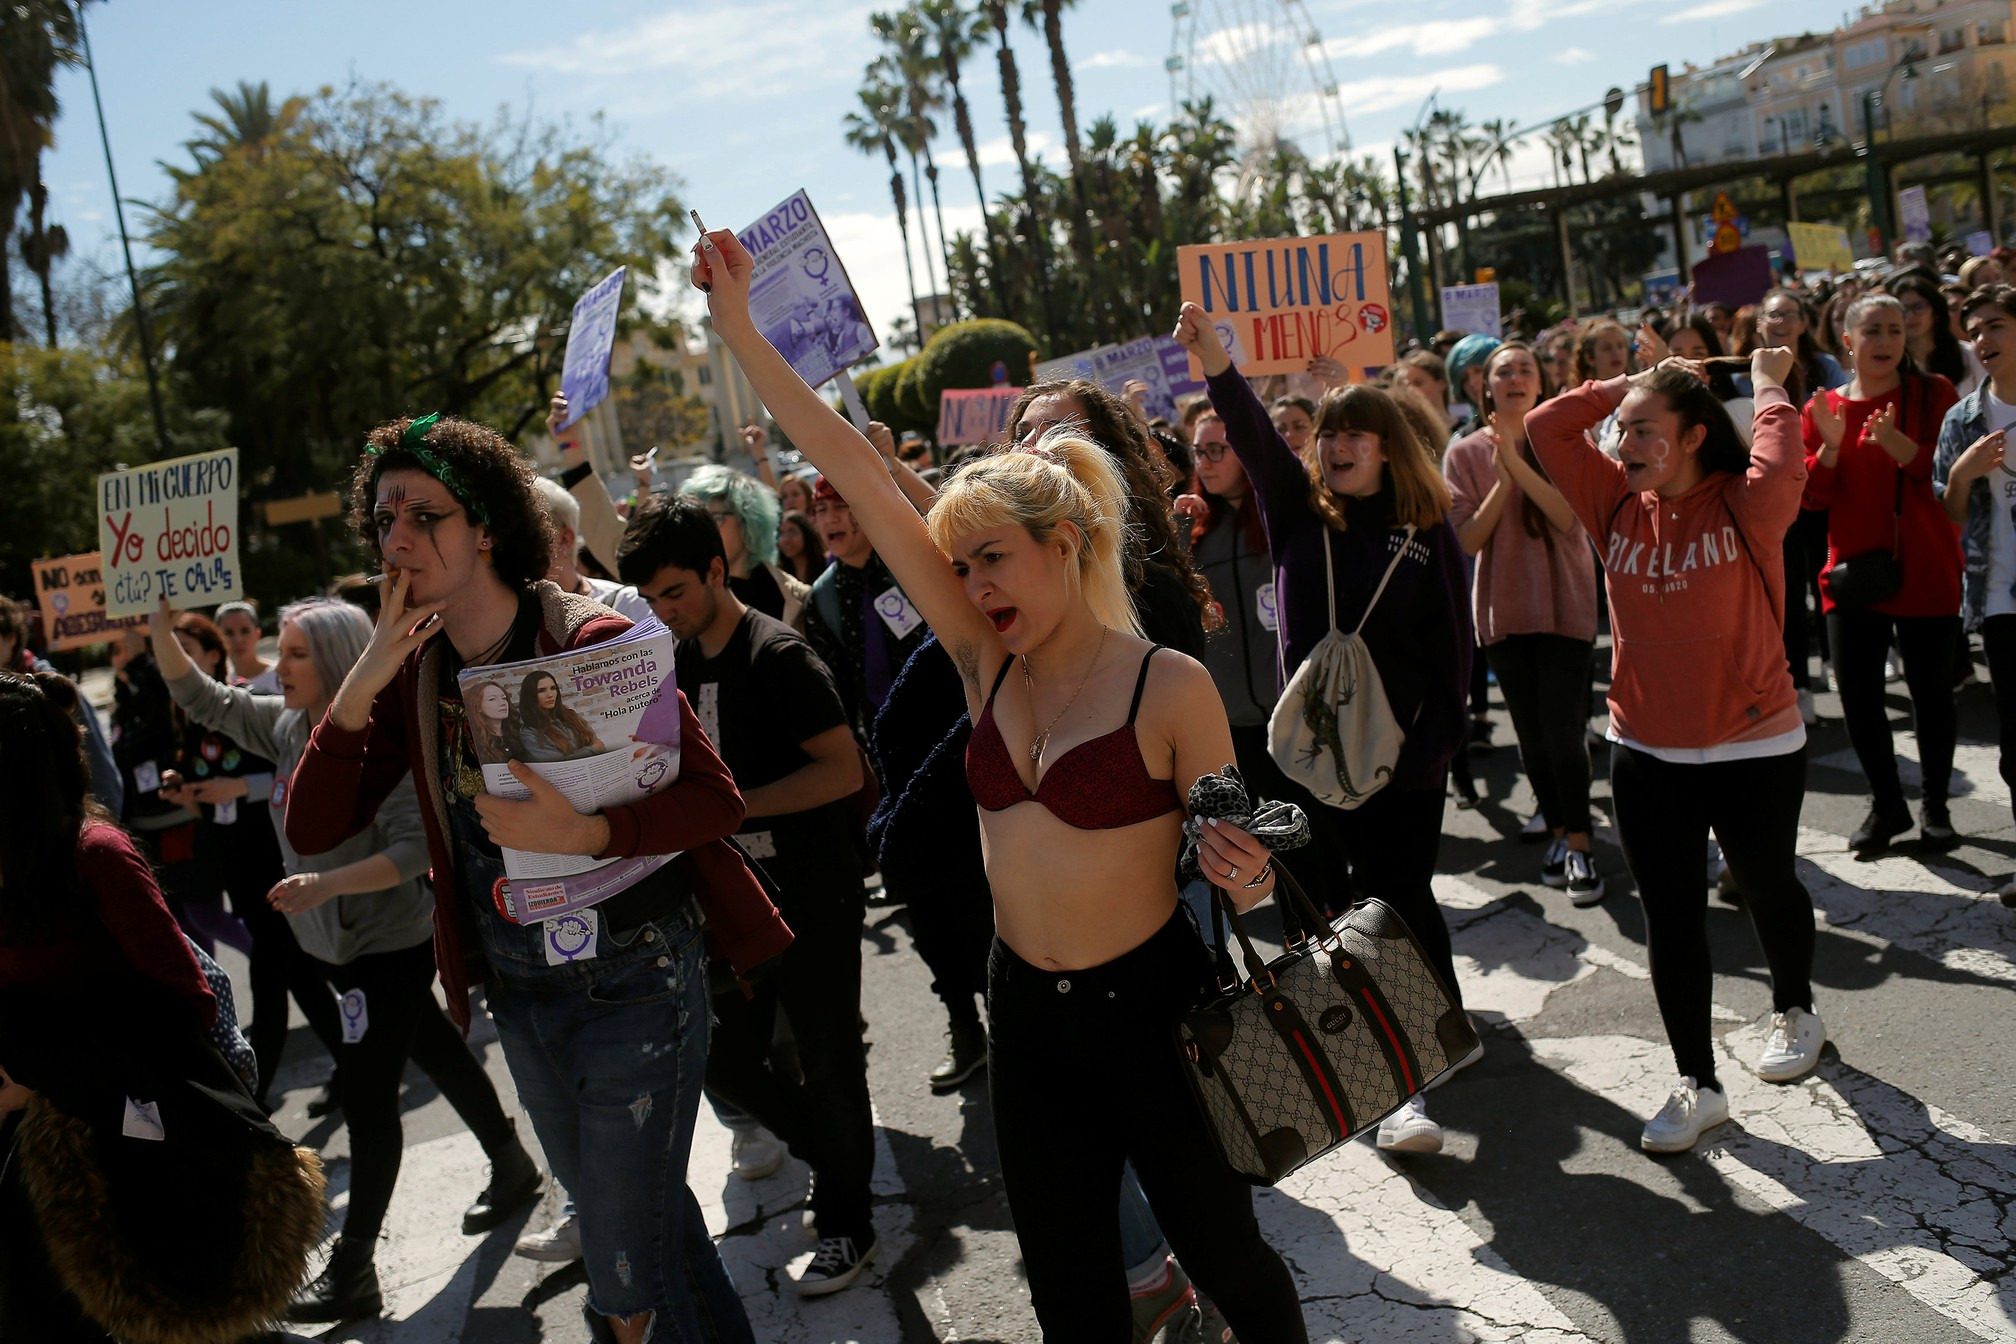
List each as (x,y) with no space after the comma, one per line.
(1861,497)
(344,777)
(1697,582)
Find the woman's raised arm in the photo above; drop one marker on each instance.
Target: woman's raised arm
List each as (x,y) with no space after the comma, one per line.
(721,268)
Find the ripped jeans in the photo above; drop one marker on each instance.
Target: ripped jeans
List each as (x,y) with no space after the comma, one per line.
(608,1056)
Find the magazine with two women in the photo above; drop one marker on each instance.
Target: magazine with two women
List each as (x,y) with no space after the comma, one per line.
(601,725)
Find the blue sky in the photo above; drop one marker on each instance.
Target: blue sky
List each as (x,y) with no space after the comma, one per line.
(744,102)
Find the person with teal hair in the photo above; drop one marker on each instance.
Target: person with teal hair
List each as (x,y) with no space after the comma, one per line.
(1466,378)
(747,513)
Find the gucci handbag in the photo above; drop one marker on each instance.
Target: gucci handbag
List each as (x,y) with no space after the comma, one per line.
(1323,1042)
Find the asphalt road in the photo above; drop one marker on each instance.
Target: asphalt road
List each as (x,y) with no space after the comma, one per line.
(1871,1200)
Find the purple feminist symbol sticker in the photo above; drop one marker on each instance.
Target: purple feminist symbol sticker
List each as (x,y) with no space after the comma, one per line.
(890,605)
(569,936)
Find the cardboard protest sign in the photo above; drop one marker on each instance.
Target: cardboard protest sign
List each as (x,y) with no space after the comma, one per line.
(170,529)
(1820,247)
(1734,278)
(72,599)
(1980,243)
(590,337)
(1291,300)
(800,295)
(1915,214)
(1472,310)
(975,415)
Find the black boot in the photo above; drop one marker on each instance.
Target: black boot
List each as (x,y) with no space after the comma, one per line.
(965,1055)
(1878,829)
(328,1101)
(345,1290)
(515,1180)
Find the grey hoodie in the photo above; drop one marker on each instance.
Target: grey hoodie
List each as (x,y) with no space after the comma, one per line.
(347,927)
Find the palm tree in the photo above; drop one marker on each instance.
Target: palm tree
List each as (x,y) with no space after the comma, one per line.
(1499,134)
(957,33)
(41,248)
(1049,16)
(1018,136)
(246,117)
(910,64)
(872,129)
(36,36)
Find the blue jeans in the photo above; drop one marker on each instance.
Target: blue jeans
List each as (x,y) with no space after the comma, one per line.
(608,1056)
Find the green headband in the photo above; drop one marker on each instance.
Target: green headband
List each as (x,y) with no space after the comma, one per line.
(414,441)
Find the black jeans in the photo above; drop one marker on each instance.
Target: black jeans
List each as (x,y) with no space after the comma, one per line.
(1861,639)
(402,1021)
(1545,679)
(1392,843)
(1083,1073)
(953,926)
(826,1118)
(1664,812)
(1998,639)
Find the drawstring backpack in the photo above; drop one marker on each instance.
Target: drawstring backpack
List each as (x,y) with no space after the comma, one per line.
(1333,731)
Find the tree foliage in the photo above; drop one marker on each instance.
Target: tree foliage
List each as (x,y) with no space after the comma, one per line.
(362,257)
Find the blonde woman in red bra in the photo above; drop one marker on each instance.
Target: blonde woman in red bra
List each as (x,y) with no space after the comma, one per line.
(1086,739)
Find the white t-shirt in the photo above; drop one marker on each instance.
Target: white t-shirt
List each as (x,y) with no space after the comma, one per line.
(2002,516)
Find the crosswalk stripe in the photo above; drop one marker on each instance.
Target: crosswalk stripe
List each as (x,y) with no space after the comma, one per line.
(1839,1152)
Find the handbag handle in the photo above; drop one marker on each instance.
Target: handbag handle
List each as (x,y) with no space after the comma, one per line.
(1222,910)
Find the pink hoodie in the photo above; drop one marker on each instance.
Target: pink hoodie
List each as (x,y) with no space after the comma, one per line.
(1697,582)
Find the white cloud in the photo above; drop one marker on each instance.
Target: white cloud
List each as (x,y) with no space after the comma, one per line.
(1574,56)
(1713,9)
(1423,39)
(1239,43)
(797,39)
(1105,60)
(1000,151)
(1382,92)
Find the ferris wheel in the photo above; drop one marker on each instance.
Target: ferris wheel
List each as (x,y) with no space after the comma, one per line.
(1263,64)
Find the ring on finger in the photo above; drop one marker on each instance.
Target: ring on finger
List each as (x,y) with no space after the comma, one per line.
(1231,872)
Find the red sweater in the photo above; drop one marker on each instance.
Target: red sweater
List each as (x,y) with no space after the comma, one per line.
(1697,585)
(344,777)
(129,932)
(1859,493)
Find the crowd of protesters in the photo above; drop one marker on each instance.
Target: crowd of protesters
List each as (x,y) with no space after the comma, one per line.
(875,647)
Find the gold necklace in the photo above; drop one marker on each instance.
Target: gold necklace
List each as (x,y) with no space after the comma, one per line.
(1042,739)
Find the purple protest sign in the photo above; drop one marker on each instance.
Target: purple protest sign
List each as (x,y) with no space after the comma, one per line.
(590,337)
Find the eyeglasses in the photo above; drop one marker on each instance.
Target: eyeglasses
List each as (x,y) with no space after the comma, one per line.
(721,516)
(1917,309)
(1028,429)
(1212,452)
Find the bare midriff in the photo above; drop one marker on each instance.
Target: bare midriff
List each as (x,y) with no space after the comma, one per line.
(1066,898)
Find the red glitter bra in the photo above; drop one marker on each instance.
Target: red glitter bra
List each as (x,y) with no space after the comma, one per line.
(1098,785)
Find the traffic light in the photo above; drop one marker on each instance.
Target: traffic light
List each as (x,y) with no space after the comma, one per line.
(1661,90)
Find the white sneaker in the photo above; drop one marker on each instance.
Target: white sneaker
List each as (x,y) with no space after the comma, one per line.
(1893,669)
(1409,1130)
(557,1245)
(1554,868)
(1584,883)
(1793,1047)
(835,1265)
(756,1152)
(1807,714)
(1686,1116)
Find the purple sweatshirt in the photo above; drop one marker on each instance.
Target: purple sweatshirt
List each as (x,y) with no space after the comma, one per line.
(1419,634)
